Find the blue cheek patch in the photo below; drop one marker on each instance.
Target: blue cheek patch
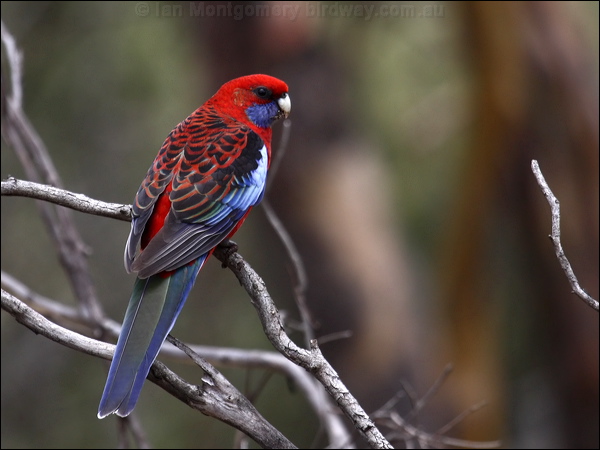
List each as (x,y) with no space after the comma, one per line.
(263,115)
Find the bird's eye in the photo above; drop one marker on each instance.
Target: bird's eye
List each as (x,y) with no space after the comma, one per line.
(262,92)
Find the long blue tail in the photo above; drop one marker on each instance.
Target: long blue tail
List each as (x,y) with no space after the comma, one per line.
(154,306)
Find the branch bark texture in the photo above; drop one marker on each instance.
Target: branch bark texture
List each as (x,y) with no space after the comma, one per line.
(555,237)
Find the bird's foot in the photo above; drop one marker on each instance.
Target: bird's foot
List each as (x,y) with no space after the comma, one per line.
(229,247)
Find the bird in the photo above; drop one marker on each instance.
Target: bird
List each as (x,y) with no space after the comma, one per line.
(209,173)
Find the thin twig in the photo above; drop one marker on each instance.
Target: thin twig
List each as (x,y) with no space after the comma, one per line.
(281,149)
(131,425)
(555,237)
(410,435)
(301,279)
(458,419)
(333,337)
(299,271)
(433,390)
(403,431)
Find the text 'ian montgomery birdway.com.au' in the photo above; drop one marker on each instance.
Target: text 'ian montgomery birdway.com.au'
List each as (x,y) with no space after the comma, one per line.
(290,10)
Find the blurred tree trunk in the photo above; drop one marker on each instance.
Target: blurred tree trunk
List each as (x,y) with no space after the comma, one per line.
(536,97)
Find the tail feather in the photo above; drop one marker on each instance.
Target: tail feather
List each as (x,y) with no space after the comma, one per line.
(154,306)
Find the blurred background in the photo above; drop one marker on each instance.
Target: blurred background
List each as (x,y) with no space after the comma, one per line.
(406,185)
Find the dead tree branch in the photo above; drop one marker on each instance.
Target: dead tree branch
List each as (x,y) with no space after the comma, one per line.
(79,202)
(19,133)
(216,397)
(312,360)
(555,237)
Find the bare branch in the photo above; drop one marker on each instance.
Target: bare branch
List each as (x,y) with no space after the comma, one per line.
(59,312)
(281,148)
(131,424)
(433,390)
(311,360)
(16,66)
(19,133)
(458,419)
(221,356)
(405,431)
(555,237)
(241,414)
(40,325)
(216,397)
(301,282)
(78,202)
(337,336)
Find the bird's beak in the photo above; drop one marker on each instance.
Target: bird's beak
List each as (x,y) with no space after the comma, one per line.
(285,105)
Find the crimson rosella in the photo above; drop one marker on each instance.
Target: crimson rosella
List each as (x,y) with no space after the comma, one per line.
(207,176)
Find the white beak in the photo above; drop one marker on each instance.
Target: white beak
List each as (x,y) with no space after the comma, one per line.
(285,104)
